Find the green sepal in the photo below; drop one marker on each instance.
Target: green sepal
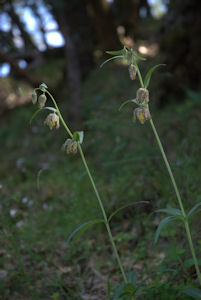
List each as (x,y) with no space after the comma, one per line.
(43,87)
(78,136)
(126,102)
(75,235)
(171,211)
(192,292)
(123,207)
(118,52)
(137,56)
(149,73)
(193,210)
(114,57)
(162,224)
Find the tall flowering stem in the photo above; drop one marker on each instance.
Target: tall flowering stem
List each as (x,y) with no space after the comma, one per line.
(94,188)
(185,219)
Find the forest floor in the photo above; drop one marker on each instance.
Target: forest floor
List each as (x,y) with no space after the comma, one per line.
(46,194)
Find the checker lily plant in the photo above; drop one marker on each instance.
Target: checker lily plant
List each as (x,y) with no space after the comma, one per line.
(73,144)
(142,113)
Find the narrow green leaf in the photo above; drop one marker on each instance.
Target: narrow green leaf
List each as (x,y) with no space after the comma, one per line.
(149,73)
(118,52)
(193,292)
(115,57)
(78,136)
(108,288)
(22,93)
(80,230)
(50,108)
(126,102)
(193,209)
(162,224)
(171,211)
(137,56)
(132,277)
(34,115)
(125,206)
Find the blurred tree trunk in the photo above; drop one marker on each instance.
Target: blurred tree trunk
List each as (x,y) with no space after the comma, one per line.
(103,21)
(181,44)
(79,46)
(127,15)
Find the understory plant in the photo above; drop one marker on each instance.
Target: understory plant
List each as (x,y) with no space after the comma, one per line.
(72,145)
(142,114)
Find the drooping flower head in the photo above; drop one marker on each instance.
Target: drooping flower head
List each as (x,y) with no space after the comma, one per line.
(42,100)
(142,114)
(142,96)
(52,121)
(70,146)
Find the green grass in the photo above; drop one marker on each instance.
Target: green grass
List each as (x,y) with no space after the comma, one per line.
(127,166)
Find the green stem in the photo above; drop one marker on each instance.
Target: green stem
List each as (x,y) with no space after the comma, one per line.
(169,169)
(104,214)
(95,190)
(179,200)
(138,72)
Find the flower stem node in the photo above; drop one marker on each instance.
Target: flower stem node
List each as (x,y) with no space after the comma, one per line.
(142,96)
(42,100)
(132,71)
(142,114)
(34,97)
(52,121)
(70,146)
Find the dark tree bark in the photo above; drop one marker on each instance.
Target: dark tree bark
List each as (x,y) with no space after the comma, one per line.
(127,14)
(102,18)
(76,29)
(181,44)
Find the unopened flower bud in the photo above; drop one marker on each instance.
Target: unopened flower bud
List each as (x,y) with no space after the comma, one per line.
(41,100)
(52,121)
(142,114)
(132,71)
(142,96)
(70,146)
(34,97)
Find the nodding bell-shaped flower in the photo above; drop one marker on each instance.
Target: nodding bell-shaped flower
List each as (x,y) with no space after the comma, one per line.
(70,146)
(142,96)
(52,121)
(142,114)
(132,71)
(42,100)
(34,97)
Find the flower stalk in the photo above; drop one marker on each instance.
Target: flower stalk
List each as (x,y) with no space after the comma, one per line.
(94,188)
(185,219)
